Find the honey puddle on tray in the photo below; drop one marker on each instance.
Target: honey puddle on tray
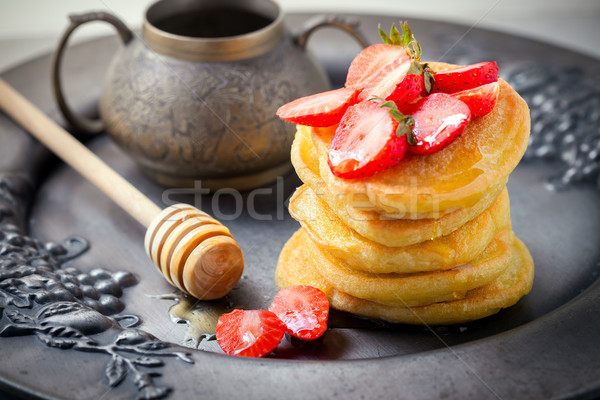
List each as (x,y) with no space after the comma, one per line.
(200,316)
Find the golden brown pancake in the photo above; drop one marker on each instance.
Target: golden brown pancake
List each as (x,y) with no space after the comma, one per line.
(372,225)
(425,186)
(427,241)
(338,240)
(295,268)
(418,288)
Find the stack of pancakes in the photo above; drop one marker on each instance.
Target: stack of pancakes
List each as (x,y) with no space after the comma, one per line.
(428,241)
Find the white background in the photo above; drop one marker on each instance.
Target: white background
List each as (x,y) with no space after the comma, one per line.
(31,27)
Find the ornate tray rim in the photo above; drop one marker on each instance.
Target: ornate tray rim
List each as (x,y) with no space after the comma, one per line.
(414,374)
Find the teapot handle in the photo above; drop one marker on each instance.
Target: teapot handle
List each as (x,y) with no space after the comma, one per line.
(321,21)
(78,122)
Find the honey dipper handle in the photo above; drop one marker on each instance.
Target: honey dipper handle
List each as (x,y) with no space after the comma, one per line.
(79,157)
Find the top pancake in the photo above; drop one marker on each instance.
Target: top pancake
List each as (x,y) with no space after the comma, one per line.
(428,186)
(363,219)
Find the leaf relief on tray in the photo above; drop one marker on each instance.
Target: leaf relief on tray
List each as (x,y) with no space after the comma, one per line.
(69,309)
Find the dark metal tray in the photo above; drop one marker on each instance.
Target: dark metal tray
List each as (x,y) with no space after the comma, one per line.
(544,347)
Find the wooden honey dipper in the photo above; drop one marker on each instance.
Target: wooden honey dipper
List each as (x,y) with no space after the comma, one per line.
(193,251)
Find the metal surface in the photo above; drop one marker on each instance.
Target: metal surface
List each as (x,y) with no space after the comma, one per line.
(544,347)
(190,107)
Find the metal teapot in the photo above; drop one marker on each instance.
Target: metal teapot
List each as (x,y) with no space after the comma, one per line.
(194,96)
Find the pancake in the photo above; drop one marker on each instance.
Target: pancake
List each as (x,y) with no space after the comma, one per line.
(338,240)
(370,224)
(295,268)
(428,186)
(418,288)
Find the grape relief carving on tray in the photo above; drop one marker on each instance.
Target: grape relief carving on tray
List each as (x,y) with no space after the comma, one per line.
(66,308)
(564,102)
(565,119)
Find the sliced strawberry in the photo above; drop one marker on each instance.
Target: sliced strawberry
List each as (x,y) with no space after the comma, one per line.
(321,109)
(385,82)
(467,77)
(369,62)
(366,141)
(439,119)
(407,91)
(481,100)
(250,333)
(304,311)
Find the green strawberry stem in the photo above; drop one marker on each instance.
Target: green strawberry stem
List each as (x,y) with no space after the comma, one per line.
(404,39)
(407,39)
(422,69)
(405,122)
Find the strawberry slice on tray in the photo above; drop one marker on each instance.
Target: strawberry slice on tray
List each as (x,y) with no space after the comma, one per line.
(303,309)
(249,333)
(367,140)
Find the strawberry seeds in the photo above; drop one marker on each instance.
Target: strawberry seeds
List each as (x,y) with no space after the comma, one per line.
(301,311)
(393,103)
